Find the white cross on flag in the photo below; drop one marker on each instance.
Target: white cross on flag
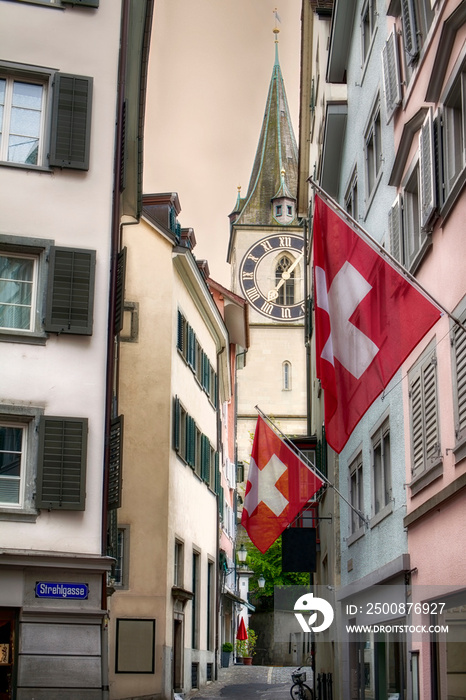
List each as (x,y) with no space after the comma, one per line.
(279,485)
(369,318)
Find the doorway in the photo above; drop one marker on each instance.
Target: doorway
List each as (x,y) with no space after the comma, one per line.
(178,646)
(7,652)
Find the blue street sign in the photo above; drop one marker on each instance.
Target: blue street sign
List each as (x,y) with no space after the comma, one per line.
(75,591)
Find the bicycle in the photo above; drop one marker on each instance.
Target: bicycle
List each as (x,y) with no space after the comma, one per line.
(299,690)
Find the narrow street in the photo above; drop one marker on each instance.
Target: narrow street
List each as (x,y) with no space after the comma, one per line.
(250,682)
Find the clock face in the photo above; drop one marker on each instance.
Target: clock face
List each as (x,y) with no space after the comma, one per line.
(271,275)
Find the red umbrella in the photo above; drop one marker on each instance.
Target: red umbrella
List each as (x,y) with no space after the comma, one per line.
(241,633)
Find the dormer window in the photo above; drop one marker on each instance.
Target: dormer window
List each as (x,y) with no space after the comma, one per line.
(278,210)
(289,210)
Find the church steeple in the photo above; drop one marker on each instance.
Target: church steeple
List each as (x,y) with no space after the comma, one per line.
(275,171)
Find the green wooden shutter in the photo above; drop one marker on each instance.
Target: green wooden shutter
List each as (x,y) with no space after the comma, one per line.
(115,463)
(70,291)
(61,469)
(180,334)
(83,3)
(176,424)
(205,458)
(190,441)
(71,121)
(120,291)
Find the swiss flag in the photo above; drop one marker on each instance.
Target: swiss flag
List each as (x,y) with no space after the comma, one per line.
(369,318)
(279,485)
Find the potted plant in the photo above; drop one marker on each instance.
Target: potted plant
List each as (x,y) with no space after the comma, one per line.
(227,648)
(246,647)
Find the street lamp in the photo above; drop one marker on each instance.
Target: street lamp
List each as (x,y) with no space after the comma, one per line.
(242,554)
(261,581)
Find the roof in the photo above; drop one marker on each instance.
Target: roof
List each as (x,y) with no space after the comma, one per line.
(276,157)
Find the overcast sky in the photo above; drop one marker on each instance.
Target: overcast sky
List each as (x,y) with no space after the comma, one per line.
(210,67)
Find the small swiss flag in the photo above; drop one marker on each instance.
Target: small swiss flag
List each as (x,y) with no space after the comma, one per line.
(368,319)
(279,485)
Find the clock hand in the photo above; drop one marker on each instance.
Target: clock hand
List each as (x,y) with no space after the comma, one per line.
(273,294)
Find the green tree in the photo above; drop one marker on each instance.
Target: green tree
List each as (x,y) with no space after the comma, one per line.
(269,565)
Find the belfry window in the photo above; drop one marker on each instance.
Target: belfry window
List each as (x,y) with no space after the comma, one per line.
(286,280)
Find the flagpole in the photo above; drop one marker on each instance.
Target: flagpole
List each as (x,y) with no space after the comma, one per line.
(303,457)
(384,252)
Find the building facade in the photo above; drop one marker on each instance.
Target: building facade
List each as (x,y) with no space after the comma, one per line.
(174,376)
(62,204)
(396,169)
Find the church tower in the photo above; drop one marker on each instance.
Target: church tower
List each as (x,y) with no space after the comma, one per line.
(266,252)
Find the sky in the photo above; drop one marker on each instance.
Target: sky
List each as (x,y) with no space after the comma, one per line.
(210,67)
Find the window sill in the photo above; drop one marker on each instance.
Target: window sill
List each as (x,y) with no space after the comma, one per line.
(427,477)
(381,515)
(26,338)
(28,166)
(355,537)
(19,516)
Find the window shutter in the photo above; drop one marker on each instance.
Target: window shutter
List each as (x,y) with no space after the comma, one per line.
(424,414)
(115,463)
(395,229)
(205,458)
(71,120)
(180,335)
(176,424)
(83,3)
(430,408)
(391,75)
(190,441)
(61,469)
(427,170)
(120,291)
(459,344)
(70,291)
(410,38)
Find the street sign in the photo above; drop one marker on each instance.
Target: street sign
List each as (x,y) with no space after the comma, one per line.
(74,591)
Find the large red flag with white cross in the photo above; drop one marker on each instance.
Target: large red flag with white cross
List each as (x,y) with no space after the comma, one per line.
(279,485)
(368,319)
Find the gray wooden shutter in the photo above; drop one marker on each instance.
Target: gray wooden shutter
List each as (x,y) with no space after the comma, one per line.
(427,170)
(410,37)
(71,121)
(424,414)
(395,229)
(70,291)
(120,291)
(61,469)
(459,345)
(391,75)
(115,463)
(83,3)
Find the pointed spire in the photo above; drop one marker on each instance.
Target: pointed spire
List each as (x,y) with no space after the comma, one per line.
(275,168)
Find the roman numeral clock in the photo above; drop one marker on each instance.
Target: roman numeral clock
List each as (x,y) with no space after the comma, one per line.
(271,276)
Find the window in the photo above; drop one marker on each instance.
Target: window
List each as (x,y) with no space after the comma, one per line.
(423,405)
(454,131)
(381,468)
(368,27)
(416,17)
(12,447)
(195,600)
(61,3)
(278,210)
(413,237)
(286,369)
(373,150)
(178,564)
(44,288)
(44,118)
(356,493)
(121,568)
(18,285)
(351,196)
(210,605)
(192,446)
(286,279)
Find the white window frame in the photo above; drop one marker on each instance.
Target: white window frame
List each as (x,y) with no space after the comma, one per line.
(14,72)
(27,418)
(356,497)
(351,195)
(373,152)
(454,137)
(382,470)
(368,29)
(416,240)
(34,280)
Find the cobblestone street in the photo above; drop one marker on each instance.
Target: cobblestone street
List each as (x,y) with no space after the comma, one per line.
(255,682)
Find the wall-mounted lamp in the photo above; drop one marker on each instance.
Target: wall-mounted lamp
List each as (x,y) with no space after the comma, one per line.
(261,581)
